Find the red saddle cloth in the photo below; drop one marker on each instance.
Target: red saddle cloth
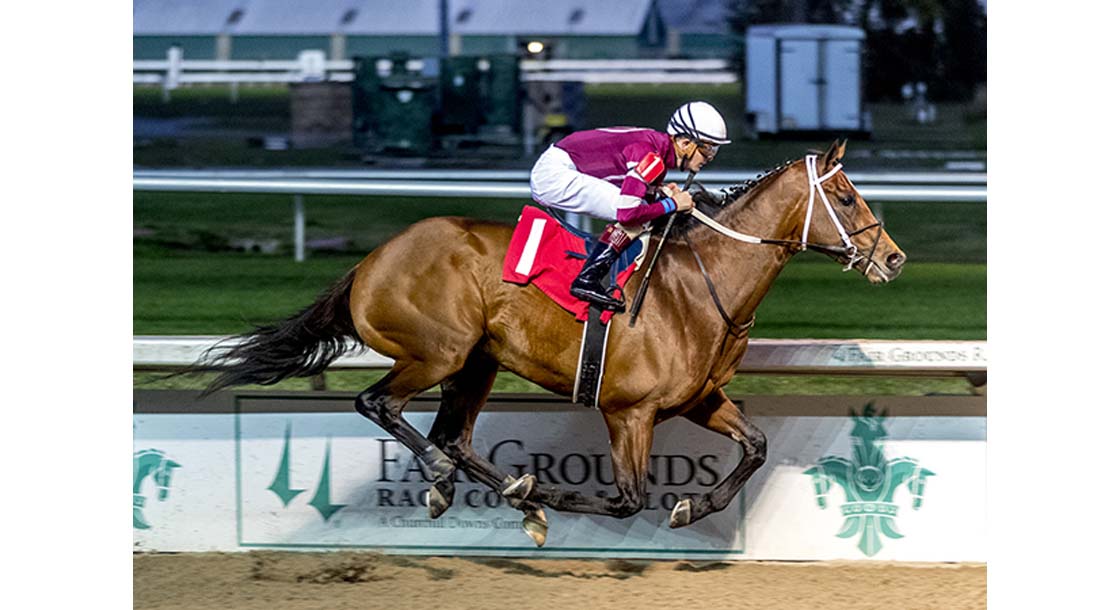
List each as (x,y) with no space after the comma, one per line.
(539,254)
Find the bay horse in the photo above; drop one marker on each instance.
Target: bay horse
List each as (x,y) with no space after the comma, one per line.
(432,299)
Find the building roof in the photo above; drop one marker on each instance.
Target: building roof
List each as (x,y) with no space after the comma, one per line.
(399,17)
(182,17)
(285,17)
(294,17)
(695,16)
(549,17)
(388,17)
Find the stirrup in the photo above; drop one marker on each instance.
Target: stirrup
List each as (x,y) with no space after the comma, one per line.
(606,302)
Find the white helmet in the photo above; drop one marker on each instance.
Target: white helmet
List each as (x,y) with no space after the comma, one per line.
(699,121)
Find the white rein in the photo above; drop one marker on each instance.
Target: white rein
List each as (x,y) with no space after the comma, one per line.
(816,186)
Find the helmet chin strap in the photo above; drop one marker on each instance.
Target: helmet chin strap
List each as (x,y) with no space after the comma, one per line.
(685,154)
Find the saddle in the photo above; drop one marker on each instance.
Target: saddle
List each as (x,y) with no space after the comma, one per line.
(548,253)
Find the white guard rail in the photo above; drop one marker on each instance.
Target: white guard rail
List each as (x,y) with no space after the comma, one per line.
(710,178)
(876,188)
(445,188)
(773,356)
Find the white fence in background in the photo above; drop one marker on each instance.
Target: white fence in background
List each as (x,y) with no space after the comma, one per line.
(313,66)
(175,71)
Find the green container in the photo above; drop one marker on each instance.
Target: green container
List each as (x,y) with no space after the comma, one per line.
(404,117)
(502,96)
(393,107)
(460,95)
(365,90)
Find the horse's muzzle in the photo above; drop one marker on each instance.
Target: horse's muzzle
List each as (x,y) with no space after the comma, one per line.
(880,270)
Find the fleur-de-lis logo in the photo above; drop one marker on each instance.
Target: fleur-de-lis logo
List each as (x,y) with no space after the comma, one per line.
(869,481)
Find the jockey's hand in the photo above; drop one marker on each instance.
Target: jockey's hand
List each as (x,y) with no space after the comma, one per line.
(683,200)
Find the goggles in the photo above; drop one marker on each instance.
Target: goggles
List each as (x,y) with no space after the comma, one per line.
(707,149)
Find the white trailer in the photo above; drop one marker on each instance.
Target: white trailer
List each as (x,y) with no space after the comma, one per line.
(805,78)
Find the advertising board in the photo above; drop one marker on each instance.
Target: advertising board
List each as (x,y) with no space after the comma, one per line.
(886,478)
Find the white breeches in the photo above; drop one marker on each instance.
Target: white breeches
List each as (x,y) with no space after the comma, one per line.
(555,182)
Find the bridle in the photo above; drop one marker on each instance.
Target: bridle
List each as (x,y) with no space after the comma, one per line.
(816,186)
(847,250)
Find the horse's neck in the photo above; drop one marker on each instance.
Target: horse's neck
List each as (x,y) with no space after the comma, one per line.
(743,273)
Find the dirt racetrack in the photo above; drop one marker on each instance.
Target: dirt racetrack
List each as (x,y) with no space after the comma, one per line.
(366,580)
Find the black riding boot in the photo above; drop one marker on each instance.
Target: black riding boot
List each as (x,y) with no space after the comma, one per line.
(588,284)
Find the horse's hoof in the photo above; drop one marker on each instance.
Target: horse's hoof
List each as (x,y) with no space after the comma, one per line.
(518,491)
(682,513)
(437,502)
(536,526)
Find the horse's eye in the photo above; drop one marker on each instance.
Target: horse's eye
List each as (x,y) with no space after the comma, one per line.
(847,200)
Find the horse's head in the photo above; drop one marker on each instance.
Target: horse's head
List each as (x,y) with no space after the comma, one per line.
(839,222)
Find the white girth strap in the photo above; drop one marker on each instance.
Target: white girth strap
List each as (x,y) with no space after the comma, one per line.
(816,186)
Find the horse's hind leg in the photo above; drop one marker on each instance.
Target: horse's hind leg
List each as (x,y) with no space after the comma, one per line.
(383,402)
(464,396)
(718,413)
(631,440)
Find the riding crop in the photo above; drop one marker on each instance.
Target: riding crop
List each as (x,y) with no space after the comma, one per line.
(653,260)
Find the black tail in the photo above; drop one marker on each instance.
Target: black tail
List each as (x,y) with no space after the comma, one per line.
(301,346)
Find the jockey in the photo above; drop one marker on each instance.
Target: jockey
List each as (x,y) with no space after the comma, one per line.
(615,173)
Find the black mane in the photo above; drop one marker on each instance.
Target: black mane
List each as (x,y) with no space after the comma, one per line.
(715,204)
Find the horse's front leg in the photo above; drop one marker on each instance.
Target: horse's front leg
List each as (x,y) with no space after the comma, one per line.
(631,434)
(718,413)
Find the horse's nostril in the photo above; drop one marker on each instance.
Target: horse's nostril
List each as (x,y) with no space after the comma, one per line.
(895,261)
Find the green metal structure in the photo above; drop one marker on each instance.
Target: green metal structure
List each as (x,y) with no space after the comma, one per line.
(407,111)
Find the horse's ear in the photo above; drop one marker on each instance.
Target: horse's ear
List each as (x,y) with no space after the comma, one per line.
(834,154)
